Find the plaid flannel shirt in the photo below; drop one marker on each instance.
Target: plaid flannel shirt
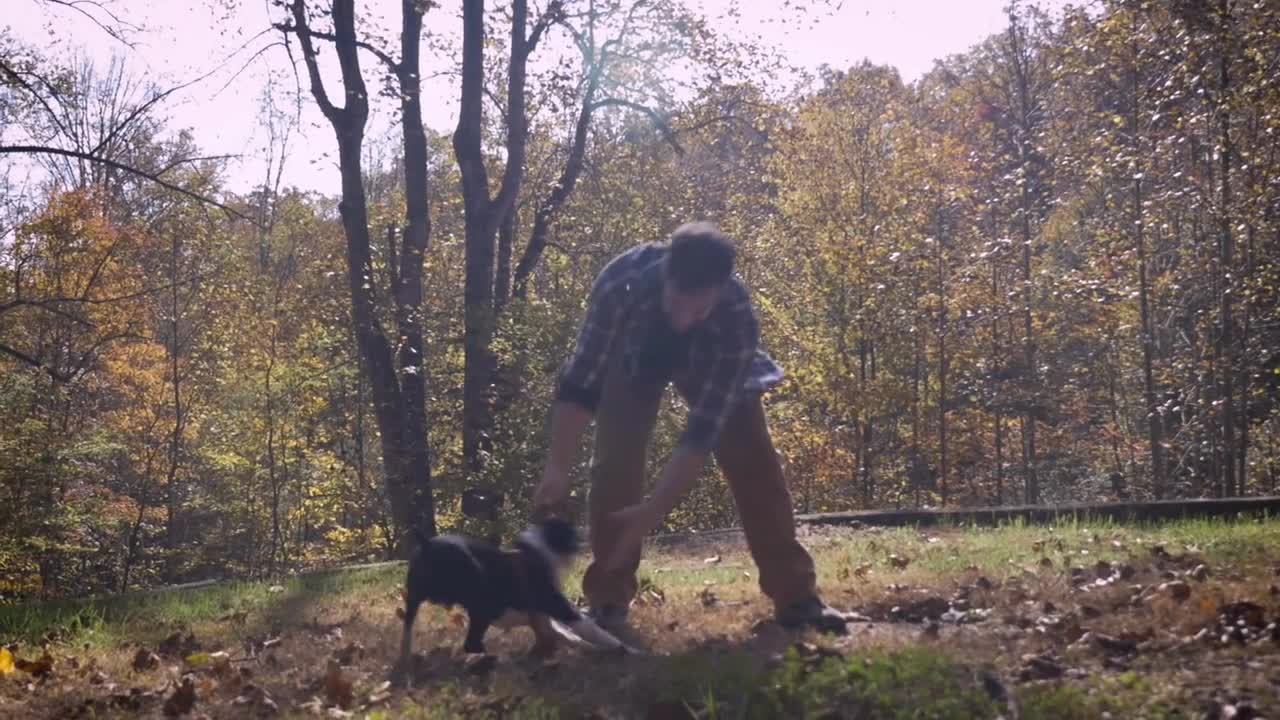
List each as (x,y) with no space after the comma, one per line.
(712,366)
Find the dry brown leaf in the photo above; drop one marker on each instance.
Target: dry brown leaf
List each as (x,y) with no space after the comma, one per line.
(481,663)
(176,645)
(899,562)
(183,700)
(1176,589)
(41,668)
(338,687)
(350,654)
(145,660)
(862,570)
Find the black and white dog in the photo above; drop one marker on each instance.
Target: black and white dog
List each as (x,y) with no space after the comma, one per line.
(506,587)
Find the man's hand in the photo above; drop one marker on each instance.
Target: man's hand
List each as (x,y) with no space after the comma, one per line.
(552,489)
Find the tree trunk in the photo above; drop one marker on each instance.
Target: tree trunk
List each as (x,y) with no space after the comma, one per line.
(1226,339)
(1155,424)
(942,372)
(408,291)
(399,411)
(173,494)
(995,362)
(483,215)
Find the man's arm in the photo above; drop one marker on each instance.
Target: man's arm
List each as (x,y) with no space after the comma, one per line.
(568,421)
(580,382)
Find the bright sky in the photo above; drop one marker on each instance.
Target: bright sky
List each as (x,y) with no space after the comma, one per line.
(186,39)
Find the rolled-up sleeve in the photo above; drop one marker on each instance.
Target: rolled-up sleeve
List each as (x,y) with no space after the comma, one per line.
(582,376)
(725,380)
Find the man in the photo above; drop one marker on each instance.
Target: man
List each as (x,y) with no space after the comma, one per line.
(674,312)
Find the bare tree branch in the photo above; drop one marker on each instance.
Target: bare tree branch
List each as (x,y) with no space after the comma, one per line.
(658,121)
(17,78)
(392,64)
(33,362)
(113,32)
(303,33)
(43,150)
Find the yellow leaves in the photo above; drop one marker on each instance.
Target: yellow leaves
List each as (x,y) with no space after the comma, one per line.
(6,663)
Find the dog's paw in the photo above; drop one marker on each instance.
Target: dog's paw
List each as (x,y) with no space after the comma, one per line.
(541,653)
(401,675)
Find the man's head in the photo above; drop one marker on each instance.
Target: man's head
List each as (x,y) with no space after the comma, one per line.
(698,265)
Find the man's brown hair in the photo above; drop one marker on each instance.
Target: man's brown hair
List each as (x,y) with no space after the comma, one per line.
(700,257)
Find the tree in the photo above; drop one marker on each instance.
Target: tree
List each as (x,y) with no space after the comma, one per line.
(396,375)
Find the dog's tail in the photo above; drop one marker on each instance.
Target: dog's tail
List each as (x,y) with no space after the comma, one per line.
(418,537)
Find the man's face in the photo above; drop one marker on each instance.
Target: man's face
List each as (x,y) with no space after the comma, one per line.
(685,310)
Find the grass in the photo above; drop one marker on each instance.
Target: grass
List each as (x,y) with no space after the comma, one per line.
(713,653)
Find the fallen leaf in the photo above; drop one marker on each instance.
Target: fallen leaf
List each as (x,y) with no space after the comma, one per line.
(276,589)
(1177,589)
(349,654)
(199,659)
(144,660)
(1200,573)
(380,694)
(337,687)
(254,696)
(40,668)
(712,560)
(177,645)
(899,562)
(183,700)
(862,570)
(708,598)
(481,663)
(6,663)
(1040,667)
(1110,644)
(1246,613)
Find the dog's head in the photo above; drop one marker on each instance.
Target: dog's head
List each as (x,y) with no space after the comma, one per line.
(555,539)
(560,536)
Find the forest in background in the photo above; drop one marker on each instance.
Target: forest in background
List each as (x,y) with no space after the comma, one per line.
(1047,271)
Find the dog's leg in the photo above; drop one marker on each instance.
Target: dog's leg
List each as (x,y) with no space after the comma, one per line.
(478,624)
(545,636)
(404,667)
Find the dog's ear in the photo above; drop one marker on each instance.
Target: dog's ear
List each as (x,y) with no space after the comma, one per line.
(560,536)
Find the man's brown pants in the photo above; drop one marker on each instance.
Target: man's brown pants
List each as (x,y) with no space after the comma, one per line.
(624,423)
